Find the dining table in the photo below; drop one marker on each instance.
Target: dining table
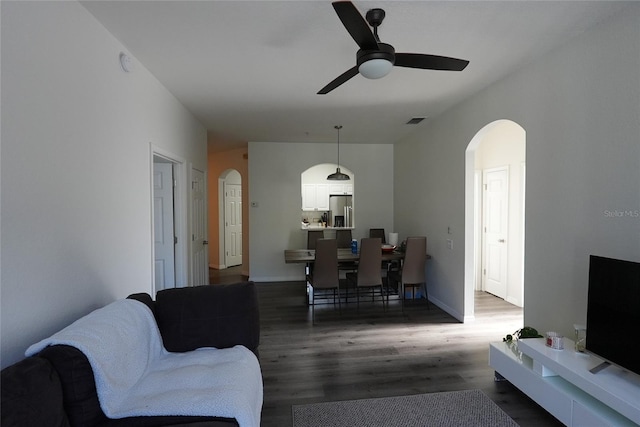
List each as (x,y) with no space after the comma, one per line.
(306,256)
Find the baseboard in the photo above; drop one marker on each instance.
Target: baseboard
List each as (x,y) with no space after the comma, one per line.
(217,266)
(514,301)
(468,319)
(458,316)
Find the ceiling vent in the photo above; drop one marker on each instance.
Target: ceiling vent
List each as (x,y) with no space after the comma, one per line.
(415,120)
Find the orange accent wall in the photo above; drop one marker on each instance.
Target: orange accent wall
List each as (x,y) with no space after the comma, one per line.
(219,163)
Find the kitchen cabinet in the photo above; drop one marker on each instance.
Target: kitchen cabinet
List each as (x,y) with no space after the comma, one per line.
(315,197)
(340,188)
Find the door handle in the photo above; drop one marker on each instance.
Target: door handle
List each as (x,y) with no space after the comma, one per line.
(205,242)
(500,240)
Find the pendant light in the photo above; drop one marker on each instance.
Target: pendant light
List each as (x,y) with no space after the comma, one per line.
(338,176)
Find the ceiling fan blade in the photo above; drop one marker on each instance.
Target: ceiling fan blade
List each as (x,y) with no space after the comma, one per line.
(355,25)
(342,78)
(430,62)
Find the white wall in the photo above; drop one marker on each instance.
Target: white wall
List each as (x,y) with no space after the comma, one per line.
(579,106)
(274,184)
(76,192)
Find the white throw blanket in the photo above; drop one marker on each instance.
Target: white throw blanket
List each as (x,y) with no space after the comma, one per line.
(136,376)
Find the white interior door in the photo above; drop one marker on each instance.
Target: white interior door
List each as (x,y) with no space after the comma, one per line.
(163,226)
(496,220)
(233,224)
(199,242)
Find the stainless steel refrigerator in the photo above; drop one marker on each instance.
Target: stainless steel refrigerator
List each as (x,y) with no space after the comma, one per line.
(341,211)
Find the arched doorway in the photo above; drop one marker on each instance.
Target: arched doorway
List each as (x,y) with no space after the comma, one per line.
(494,214)
(230,218)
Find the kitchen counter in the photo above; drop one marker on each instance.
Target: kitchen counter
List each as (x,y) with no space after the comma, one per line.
(314,227)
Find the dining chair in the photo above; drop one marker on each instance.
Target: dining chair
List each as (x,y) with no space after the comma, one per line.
(369,273)
(325,272)
(412,273)
(386,266)
(344,238)
(312,237)
(378,232)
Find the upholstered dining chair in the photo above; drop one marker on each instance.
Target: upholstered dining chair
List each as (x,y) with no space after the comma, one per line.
(369,273)
(386,266)
(378,232)
(344,238)
(412,274)
(312,237)
(325,272)
(344,242)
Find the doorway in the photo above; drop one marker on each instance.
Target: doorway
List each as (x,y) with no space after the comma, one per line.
(199,234)
(230,190)
(164,237)
(494,231)
(168,221)
(494,214)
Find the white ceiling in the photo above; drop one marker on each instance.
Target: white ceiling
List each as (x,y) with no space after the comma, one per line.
(250,70)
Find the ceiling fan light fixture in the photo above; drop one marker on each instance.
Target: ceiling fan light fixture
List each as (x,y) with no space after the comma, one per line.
(375,64)
(375,59)
(375,68)
(338,175)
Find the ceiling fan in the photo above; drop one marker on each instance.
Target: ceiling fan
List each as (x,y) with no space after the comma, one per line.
(374,58)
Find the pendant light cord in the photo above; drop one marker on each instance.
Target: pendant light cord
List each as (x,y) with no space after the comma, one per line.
(338,175)
(338,127)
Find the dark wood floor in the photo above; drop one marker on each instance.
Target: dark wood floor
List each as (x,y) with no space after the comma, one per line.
(370,352)
(226,275)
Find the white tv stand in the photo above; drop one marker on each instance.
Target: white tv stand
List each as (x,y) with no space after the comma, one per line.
(560,382)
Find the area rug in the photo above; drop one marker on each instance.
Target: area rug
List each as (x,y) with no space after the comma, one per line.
(455,408)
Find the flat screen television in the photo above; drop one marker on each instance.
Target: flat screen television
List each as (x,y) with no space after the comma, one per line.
(613,311)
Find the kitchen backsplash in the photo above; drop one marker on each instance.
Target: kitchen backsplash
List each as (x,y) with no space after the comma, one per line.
(313,217)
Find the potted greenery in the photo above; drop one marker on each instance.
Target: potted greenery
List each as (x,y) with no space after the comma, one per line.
(512,339)
(526,332)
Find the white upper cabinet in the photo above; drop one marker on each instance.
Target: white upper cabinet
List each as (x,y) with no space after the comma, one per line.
(340,188)
(315,197)
(308,197)
(322,197)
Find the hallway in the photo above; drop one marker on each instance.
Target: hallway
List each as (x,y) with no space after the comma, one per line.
(227,275)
